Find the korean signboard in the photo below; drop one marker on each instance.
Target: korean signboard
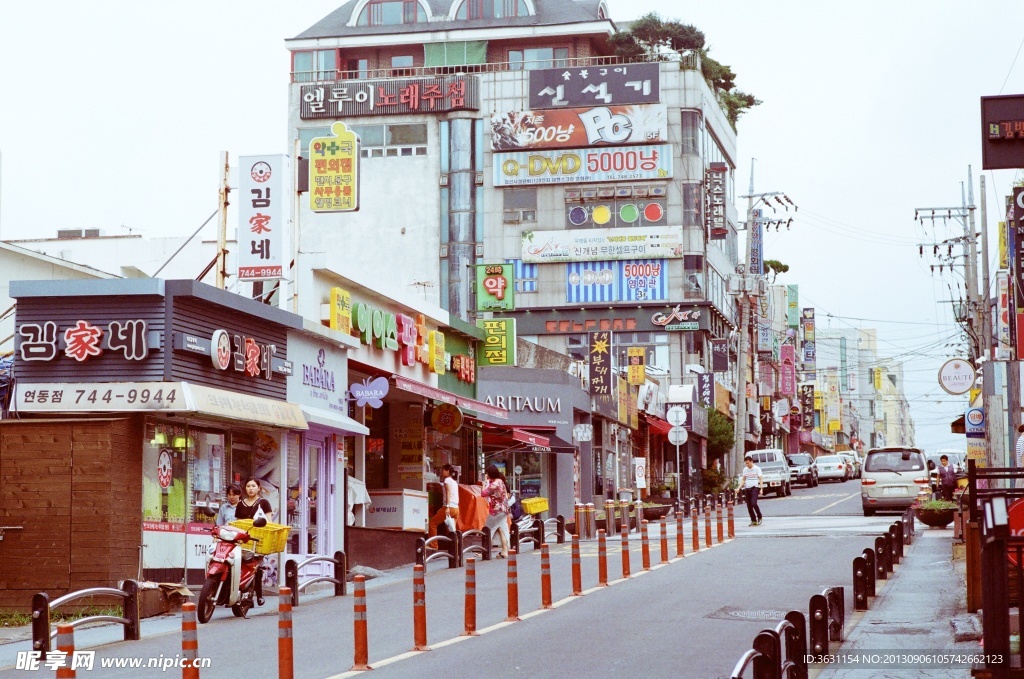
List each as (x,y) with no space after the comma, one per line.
(578,127)
(714,214)
(352,98)
(756,244)
(613,164)
(764,338)
(600,358)
(720,355)
(636,370)
(1016,233)
(1002,136)
(683,318)
(401,333)
(665,242)
(334,171)
(595,85)
(264,207)
(810,354)
(629,280)
(499,344)
(793,306)
(84,340)
(1003,343)
(787,370)
(807,406)
(706,390)
(495,289)
(341,310)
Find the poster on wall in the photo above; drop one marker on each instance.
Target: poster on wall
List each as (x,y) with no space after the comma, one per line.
(620,163)
(603,244)
(577,127)
(264,209)
(616,281)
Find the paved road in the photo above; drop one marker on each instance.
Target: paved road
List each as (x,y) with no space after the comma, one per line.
(690,618)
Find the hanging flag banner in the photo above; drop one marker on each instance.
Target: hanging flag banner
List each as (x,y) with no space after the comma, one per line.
(1003,340)
(334,171)
(756,243)
(495,289)
(579,127)
(599,356)
(636,370)
(264,208)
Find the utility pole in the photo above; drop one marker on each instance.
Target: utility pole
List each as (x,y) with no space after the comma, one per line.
(986,280)
(222,226)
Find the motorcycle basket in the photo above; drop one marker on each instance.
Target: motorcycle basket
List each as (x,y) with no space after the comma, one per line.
(273,537)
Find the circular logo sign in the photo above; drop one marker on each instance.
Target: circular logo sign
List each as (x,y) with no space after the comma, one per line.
(260,172)
(976,417)
(957,376)
(220,349)
(446,418)
(164,469)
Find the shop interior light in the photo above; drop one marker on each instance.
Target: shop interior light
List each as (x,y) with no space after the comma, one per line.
(160,439)
(179,442)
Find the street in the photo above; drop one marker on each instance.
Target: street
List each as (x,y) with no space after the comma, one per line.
(691,618)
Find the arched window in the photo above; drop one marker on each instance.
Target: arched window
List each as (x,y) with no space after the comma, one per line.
(391,12)
(492,9)
(601,13)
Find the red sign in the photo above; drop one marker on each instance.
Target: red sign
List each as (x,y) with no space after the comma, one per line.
(1015,520)
(577,127)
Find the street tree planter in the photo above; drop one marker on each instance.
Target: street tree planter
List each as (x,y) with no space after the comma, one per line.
(936,518)
(656,513)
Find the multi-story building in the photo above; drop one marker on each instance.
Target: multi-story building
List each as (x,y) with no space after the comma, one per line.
(505,132)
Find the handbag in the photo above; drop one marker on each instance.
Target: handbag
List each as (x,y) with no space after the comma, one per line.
(449,523)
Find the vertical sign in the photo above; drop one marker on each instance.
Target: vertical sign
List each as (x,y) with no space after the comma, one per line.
(341,310)
(636,371)
(810,352)
(1004,260)
(334,171)
(499,345)
(807,406)
(787,370)
(495,289)
(793,306)
(599,353)
(1003,342)
(719,355)
(1017,258)
(715,212)
(706,390)
(756,243)
(263,214)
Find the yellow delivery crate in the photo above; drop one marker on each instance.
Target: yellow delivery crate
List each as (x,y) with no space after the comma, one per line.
(534,505)
(270,539)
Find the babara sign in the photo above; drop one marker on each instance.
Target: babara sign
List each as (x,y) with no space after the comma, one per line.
(402,333)
(83,340)
(334,171)
(499,345)
(494,287)
(262,217)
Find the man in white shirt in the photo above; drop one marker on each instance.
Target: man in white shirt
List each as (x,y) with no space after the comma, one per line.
(752,482)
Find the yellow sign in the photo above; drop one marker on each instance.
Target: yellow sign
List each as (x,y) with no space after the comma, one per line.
(446,418)
(976,449)
(878,378)
(435,346)
(499,345)
(341,310)
(834,426)
(818,400)
(1003,248)
(334,171)
(637,372)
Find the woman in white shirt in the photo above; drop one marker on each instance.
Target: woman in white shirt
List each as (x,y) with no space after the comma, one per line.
(449,499)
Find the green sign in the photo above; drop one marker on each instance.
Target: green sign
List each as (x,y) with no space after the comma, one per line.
(499,345)
(495,287)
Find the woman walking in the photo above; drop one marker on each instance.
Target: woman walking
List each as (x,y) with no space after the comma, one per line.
(496,491)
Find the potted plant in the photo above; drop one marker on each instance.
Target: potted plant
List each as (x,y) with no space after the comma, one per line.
(655,512)
(934,513)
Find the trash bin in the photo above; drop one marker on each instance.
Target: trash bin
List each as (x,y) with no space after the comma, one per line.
(625,495)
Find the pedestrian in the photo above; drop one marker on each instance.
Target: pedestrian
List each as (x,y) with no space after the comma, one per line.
(253,506)
(496,491)
(226,513)
(947,478)
(449,501)
(752,482)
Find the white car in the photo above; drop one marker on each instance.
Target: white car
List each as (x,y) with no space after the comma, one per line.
(832,468)
(893,478)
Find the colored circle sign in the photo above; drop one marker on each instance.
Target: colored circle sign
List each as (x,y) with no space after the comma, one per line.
(578,216)
(653,212)
(602,215)
(220,349)
(629,213)
(446,418)
(164,469)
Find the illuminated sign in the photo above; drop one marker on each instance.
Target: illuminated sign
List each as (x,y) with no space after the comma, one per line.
(388,97)
(263,215)
(83,340)
(499,345)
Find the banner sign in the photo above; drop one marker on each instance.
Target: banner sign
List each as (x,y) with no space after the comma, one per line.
(706,390)
(599,355)
(807,406)
(764,338)
(579,127)
(683,318)
(1002,132)
(351,98)
(810,354)
(620,163)
(714,215)
(793,306)
(661,242)
(720,355)
(595,85)
(341,310)
(636,370)
(495,287)
(631,280)
(1017,261)
(334,171)
(756,243)
(787,370)
(264,208)
(499,344)
(1003,340)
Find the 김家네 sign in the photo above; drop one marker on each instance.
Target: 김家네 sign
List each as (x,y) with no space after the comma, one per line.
(612,164)
(263,213)
(575,127)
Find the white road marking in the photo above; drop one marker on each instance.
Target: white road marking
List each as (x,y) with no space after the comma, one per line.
(835,503)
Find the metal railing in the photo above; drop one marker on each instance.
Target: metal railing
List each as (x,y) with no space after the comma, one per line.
(448,547)
(291,575)
(42,608)
(778,652)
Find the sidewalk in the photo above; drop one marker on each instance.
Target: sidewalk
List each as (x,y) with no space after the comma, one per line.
(910,616)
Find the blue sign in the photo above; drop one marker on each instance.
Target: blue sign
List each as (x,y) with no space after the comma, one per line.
(974,423)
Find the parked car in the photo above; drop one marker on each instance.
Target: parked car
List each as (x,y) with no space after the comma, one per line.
(956,458)
(774,470)
(832,468)
(853,465)
(803,469)
(893,478)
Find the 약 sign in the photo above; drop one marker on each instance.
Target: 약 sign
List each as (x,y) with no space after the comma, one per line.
(334,171)
(495,289)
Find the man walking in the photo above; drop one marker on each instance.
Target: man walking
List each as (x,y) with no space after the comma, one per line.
(752,484)
(947,478)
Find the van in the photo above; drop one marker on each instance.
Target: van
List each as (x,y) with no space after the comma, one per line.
(893,478)
(774,470)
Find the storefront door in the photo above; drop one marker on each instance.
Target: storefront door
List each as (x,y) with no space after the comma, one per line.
(309,504)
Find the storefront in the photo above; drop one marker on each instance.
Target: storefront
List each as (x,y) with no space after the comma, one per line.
(183,390)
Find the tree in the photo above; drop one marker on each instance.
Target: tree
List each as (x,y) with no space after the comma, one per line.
(775,267)
(721,434)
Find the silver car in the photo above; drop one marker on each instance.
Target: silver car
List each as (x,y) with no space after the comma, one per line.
(832,468)
(892,479)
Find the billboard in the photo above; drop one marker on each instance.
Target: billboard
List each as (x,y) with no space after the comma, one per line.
(1002,132)
(576,127)
(595,85)
(665,242)
(388,97)
(334,171)
(631,280)
(612,164)
(263,213)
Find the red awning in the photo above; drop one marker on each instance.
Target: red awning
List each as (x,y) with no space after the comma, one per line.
(659,425)
(427,391)
(528,437)
(515,439)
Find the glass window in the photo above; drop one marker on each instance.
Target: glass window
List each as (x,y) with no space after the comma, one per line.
(358,68)
(403,61)
(537,58)
(315,65)
(492,9)
(520,199)
(370,135)
(392,12)
(525,275)
(402,135)
(690,137)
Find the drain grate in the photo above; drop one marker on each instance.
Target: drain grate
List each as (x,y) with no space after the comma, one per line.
(734,613)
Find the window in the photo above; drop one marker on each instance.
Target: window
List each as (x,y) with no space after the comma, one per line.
(690,137)
(525,275)
(540,57)
(401,65)
(391,12)
(358,68)
(391,141)
(520,205)
(492,9)
(313,66)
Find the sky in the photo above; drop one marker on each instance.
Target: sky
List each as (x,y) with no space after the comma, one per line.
(113,115)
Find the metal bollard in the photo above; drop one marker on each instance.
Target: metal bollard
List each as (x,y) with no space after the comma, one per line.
(731,520)
(696,530)
(590,522)
(419,609)
(872,571)
(664,542)
(707,526)
(66,645)
(624,515)
(880,551)
(285,641)
(470,607)
(578,511)
(625,552)
(545,577)
(896,531)
(860,584)
(679,534)
(611,525)
(361,651)
(887,541)
(720,532)
(513,587)
(818,623)
(602,559)
(189,642)
(645,546)
(577,576)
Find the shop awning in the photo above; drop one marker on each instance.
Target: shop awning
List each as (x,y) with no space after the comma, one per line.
(559,445)
(234,406)
(334,420)
(427,391)
(657,424)
(518,440)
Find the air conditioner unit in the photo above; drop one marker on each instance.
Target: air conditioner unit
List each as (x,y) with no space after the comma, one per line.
(68,234)
(735,284)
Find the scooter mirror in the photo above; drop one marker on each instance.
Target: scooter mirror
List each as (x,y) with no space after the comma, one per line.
(259,523)
(209,511)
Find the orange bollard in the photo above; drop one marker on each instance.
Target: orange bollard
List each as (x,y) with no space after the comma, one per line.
(625,551)
(66,644)
(732,524)
(602,559)
(285,648)
(720,526)
(577,576)
(679,534)
(545,577)
(645,546)
(664,541)
(189,642)
(419,609)
(470,598)
(361,652)
(513,587)
(707,526)
(696,530)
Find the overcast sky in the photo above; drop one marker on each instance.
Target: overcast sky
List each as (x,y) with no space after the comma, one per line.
(113,115)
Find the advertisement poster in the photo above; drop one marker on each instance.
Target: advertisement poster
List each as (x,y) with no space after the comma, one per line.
(631,280)
(576,127)
(603,244)
(334,171)
(619,163)
(264,209)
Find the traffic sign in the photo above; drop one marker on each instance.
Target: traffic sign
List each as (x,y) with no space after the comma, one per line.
(676,416)
(677,436)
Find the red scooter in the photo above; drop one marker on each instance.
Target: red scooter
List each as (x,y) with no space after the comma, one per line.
(231,573)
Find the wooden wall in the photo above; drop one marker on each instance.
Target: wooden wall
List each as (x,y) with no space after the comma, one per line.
(75,487)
